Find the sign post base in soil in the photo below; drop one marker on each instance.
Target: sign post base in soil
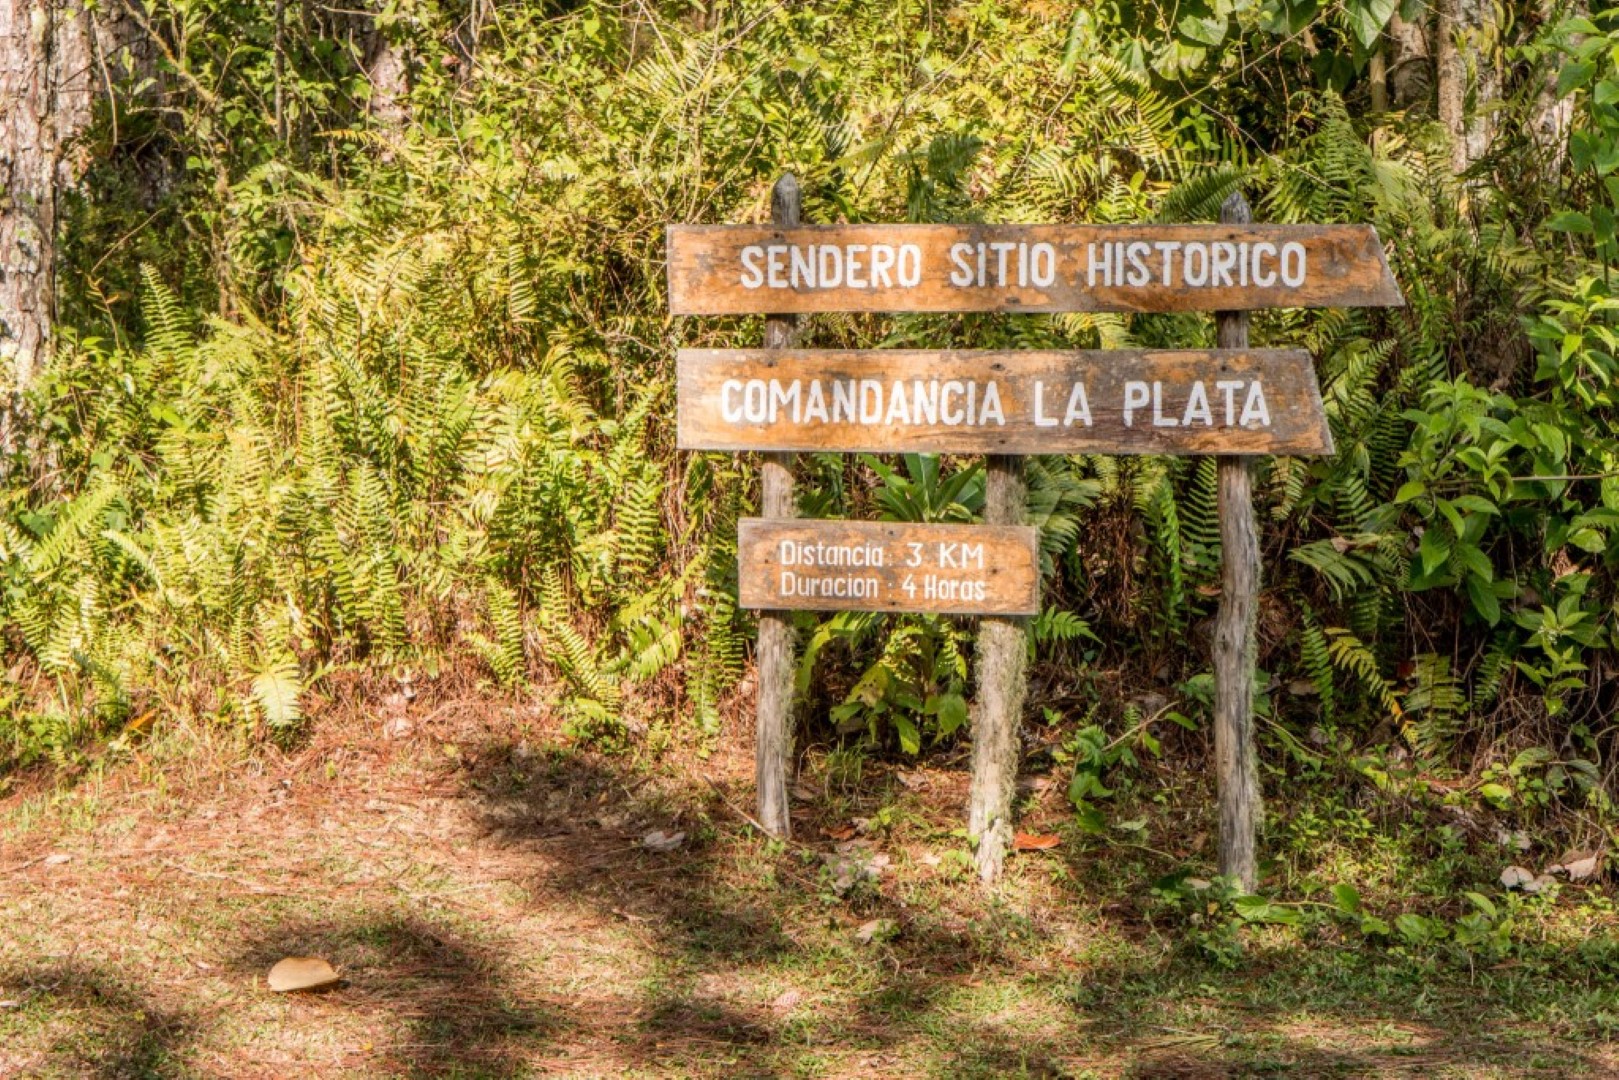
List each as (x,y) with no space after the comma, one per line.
(1002,683)
(773,734)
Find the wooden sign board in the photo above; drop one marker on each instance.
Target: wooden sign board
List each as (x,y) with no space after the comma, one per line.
(1221,401)
(817,565)
(738,269)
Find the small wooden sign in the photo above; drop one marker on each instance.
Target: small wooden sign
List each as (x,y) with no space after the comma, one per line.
(818,565)
(1247,401)
(739,269)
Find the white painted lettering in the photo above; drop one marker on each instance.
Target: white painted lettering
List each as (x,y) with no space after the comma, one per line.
(1254,411)
(1043,265)
(1139,274)
(1197,406)
(1137,395)
(1079,407)
(882,261)
(752,275)
(1199,277)
(731,413)
(1293,254)
(909,267)
(852,266)
(1040,417)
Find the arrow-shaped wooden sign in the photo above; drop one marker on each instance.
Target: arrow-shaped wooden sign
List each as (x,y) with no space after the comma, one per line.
(738,269)
(1236,401)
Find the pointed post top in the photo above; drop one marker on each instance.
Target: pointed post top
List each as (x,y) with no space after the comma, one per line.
(784,201)
(1235,211)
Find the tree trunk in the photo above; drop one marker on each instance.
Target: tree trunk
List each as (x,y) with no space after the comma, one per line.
(1467,36)
(387,66)
(1451,77)
(1409,64)
(1002,659)
(1553,114)
(1482,42)
(45,101)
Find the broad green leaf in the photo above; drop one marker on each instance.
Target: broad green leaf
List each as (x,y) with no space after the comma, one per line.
(910,736)
(1409,490)
(1205,31)
(1257,909)
(1574,75)
(952,713)
(1475,504)
(1569,221)
(1484,600)
(1434,551)
(1367,18)
(1589,540)
(1415,929)
(1347,898)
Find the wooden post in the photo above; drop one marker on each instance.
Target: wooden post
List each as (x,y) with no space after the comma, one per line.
(1235,762)
(1002,682)
(773,733)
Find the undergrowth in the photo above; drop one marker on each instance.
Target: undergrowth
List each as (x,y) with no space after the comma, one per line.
(430,415)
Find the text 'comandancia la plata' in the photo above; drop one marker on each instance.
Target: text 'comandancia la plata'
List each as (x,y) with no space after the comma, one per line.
(1114,264)
(971,403)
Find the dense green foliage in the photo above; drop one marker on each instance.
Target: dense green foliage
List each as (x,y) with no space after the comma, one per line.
(428,415)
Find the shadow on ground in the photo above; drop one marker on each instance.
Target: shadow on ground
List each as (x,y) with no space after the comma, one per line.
(464,1013)
(730,905)
(104,1025)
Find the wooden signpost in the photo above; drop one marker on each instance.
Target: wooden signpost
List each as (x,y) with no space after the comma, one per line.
(1233,402)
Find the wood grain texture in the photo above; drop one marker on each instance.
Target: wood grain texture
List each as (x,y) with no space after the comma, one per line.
(820,565)
(1036,268)
(1135,402)
(774,654)
(1003,682)
(1236,760)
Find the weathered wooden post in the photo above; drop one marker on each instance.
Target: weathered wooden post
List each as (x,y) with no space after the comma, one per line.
(1002,682)
(1236,764)
(773,732)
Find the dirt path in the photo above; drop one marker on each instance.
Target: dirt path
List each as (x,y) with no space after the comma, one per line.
(496,908)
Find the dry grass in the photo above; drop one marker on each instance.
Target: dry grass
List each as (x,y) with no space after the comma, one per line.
(484,890)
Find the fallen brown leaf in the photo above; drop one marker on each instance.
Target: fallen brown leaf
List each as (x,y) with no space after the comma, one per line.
(839,832)
(1578,865)
(876,929)
(1035,841)
(660,840)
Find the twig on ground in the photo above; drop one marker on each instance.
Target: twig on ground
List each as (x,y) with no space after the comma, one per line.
(23,865)
(250,886)
(751,820)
